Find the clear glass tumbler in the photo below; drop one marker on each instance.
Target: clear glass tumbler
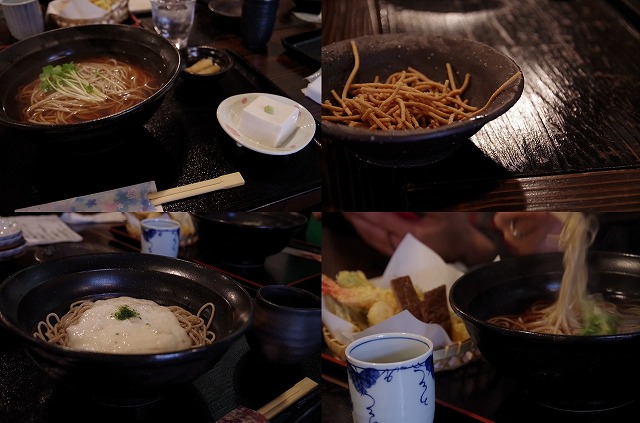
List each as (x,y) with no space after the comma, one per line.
(173,19)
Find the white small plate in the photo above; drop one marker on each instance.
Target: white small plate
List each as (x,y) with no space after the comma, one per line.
(229,117)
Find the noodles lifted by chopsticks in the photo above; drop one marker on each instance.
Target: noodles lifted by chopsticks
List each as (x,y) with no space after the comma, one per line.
(575,311)
(405,100)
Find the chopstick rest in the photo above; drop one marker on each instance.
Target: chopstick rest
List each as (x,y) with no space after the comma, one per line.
(230,180)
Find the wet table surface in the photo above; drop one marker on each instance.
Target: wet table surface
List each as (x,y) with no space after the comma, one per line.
(571,141)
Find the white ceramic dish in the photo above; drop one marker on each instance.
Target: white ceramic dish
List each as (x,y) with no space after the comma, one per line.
(229,116)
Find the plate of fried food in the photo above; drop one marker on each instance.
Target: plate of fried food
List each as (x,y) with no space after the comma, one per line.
(405,298)
(359,301)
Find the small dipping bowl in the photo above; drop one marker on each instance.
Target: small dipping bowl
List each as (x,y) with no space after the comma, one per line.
(192,55)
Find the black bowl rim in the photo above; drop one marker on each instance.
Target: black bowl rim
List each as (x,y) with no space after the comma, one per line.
(460,129)
(191,353)
(555,338)
(210,51)
(89,29)
(299,291)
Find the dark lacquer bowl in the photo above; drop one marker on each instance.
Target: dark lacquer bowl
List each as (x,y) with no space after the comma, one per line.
(382,55)
(123,380)
(23,61)
(192,55)
(287,324)
(582,373)
(246,238)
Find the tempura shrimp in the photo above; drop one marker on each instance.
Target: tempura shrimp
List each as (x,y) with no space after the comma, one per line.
(360,297)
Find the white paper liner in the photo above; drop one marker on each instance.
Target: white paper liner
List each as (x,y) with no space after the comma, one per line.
(81,12)
(314,89)
(75,9)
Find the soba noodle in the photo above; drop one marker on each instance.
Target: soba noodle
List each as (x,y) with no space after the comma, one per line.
(54,329)
(575,311)
(87,90)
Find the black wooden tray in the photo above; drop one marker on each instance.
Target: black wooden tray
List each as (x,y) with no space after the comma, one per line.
(305,48)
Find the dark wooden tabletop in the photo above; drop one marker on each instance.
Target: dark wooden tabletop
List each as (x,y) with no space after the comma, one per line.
(186,142)
(572,141)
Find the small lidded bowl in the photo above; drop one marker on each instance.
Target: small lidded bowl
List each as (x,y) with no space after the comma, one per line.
(205,64)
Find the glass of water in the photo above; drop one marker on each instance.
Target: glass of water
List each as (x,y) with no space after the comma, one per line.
(173,19)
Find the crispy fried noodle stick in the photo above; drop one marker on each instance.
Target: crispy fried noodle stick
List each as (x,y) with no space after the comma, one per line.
(405,100)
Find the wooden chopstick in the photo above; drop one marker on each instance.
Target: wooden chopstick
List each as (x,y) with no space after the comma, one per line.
(287,398)
(230,180)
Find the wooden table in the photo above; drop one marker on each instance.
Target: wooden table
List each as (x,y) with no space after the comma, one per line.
(184,138)
(571,142)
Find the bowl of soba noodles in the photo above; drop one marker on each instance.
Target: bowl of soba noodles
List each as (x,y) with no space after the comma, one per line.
(564,326)
(78,82)
(409,99)
(124,329)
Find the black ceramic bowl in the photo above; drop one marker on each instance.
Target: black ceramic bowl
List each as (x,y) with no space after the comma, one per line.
(578,373)
(382,55)
(23,61)
(124,380)
(246,238)
(191,55)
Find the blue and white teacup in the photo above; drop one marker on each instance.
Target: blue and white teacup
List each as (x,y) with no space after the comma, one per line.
(160,236)
(391,378)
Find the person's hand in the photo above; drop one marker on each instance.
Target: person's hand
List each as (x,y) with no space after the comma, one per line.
(529,232)
(450,235)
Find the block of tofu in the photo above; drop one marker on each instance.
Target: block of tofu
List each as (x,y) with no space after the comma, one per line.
(268,120)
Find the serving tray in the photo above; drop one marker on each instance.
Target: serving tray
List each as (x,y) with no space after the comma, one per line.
(305,47)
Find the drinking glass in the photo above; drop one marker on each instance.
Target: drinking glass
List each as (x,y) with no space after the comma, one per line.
(173,19)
